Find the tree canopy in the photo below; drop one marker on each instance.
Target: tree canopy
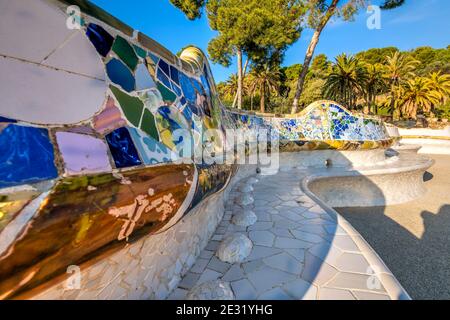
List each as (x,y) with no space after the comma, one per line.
(253,25)
(191,8)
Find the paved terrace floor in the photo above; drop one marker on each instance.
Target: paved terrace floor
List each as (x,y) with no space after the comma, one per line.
(413,239)
(299,250)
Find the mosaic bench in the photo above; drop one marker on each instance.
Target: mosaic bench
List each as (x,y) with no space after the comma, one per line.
(88,158)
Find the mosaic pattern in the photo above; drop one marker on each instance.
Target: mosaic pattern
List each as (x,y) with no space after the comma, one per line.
(89,146)
(321,121)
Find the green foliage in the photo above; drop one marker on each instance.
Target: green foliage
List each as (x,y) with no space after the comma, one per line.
(191,8)
(345,81)
(443,111)
(292,71)
(320,66)
(383,80)
(418,94)
(312,92)
(376,55)
(391,4)
(253,26)
(265,79)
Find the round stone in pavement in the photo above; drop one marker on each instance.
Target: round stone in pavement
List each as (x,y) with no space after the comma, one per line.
(211,290)
(244,219)
(246,188)
(234,248)
(245,199)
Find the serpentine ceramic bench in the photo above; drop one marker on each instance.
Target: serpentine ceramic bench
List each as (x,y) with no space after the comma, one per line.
(428,141)
(94,202)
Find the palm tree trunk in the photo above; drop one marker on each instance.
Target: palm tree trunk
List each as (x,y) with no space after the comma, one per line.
(236,95)
(263,98)
(414,112)
(310,52)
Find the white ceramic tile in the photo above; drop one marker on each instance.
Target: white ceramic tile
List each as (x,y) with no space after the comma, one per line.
(31,29)
(46,96)
(78,55)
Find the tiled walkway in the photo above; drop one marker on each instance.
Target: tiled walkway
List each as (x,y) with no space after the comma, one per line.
(299,250)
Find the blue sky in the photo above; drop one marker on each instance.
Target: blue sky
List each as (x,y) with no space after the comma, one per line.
(417,23)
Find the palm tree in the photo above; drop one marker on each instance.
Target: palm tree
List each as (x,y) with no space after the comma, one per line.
(266,79)
(346,80)
(441,84)
(399,68)
(392,101)
(230,87)
(418,94)
(375,85)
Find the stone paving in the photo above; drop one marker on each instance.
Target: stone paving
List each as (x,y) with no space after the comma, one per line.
(299,250)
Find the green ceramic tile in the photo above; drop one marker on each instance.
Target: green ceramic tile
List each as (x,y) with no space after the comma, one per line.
(140,52)
(125,52)
(132,107)
(166,94)
(148,125)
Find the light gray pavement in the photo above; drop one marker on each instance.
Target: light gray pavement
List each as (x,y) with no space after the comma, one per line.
(413,239)
(299,250)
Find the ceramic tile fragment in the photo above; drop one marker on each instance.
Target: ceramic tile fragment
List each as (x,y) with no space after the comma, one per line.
(143,79)
(77,55)
(131,106)
(122,148)
(109,119)
(26,156)
(82,154)
(119,74)
(100,38)
(125,52)
(23,26)
(48,96)
(167,94)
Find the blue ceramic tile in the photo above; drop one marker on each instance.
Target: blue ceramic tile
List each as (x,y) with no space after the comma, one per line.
(206,85)
(143,78)
(100,38)
(163,78)
(187,87)
(122,148)
(164,67)
(26,156)
(187,112)
(119,74)
(174,74)
(176,89)
(198,86)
